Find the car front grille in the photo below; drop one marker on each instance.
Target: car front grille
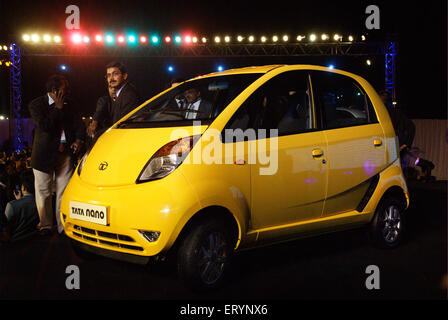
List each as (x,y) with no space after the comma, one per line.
(106,238)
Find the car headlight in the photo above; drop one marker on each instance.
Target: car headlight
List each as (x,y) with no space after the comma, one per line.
(81,163)
(167,159)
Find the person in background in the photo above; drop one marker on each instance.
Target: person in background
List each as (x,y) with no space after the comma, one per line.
(124,99)
(59,136)
(20,216)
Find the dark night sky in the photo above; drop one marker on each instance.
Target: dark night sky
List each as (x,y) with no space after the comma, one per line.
(420,28)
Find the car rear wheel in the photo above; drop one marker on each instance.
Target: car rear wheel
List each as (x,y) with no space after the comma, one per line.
(388,225)
(205,255)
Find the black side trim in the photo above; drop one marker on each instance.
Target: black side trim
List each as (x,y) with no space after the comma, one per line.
(373,184)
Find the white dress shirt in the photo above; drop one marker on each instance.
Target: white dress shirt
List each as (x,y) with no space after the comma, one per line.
(193,106)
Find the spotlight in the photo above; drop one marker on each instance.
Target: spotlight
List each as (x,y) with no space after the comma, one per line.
(35,38)
(170,68)
(240,38)
(63,67)
(204,40)
(120,39)
(167,39)
(336,37)
(368,62)
(98,38)
(363,38)
(109,39)
(300,38)
(178,39)
(313,37)
(217,39)
(155,39)
(26,37)
(285,38)
(275,38)
(324,37)
(251,38)
(143,39)
(187,39)
(227,39)
(57,39)
(220,68)
(5,48)
(131,39)
(76,38)
(331,67)
(86,39)
(47,38)
(195,39)
(263,39)
(350,38)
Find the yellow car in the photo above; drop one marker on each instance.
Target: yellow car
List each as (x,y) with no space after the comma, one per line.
(236,160)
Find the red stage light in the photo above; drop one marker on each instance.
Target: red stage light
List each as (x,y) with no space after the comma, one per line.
(76,38)
(98,38)
(167,39)
(143,39)
(120,39)
(187,39)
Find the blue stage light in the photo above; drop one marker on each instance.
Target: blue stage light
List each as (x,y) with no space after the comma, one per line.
(220,68)
(331,67)
(170,68)
(63,67)
(178,39)
(155,39)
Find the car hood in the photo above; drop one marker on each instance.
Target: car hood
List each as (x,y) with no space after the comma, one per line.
(123,153)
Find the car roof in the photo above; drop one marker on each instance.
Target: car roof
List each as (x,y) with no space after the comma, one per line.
(268,68)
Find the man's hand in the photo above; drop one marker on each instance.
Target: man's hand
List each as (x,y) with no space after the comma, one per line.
(17,194)
(59,99)
(76,146)
(91,130)
(403,147)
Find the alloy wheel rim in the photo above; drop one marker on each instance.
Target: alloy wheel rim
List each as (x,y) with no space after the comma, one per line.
(391,224)
(212,257)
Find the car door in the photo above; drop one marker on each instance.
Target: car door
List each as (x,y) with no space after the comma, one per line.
(356,144)
(289,176)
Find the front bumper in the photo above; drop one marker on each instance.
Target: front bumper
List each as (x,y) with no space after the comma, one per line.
(164,206)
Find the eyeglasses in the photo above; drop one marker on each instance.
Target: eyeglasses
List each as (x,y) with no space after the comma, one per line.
(113,74)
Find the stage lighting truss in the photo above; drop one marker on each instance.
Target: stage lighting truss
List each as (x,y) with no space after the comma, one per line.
(142,39)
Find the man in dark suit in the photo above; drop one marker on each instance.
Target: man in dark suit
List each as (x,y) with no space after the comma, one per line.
(59,136)
(124,98)
(201,109)
(21,214)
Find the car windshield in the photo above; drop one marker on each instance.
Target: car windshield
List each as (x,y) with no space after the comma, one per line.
(200,99)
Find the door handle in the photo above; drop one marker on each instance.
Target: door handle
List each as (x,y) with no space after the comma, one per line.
(240,162)
(377,142)
(317,153)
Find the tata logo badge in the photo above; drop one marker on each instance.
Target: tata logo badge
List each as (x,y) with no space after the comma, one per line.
(103,166)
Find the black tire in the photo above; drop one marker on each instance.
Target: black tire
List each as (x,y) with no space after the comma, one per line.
(205,254)
(388,226)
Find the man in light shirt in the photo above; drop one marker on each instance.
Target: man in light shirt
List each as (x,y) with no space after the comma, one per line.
(59,136)
(200,108)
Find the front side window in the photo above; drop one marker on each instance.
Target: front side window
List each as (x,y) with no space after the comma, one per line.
(282,103)
(342,101)
(200,99)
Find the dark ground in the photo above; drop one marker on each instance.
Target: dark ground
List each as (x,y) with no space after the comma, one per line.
(330,267)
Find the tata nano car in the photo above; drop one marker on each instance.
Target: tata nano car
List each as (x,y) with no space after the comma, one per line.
(235,160)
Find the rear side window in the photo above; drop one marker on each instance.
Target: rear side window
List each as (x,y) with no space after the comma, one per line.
(282,103)
(341,100)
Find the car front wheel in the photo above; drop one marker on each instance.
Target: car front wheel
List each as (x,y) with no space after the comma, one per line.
(205,255)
